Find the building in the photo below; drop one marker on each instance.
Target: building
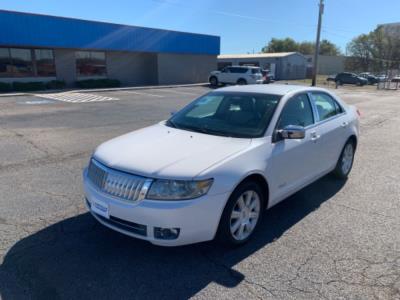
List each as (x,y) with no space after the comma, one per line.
(43,48)
(327,64)
(284,65)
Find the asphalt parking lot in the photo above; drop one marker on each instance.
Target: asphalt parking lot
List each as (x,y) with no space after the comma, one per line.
(332,240)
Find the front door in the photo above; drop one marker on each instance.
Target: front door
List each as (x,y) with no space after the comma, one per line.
(292,163)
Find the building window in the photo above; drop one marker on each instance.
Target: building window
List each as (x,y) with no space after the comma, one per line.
(90,63)
(45,65)
(22,65)
(5,63)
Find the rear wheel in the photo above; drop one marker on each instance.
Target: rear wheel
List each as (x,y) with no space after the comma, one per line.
(345,162)
(242,214)
(214,81)
(241,82)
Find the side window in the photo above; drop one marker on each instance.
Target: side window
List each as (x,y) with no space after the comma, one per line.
(326,106)
(297,111)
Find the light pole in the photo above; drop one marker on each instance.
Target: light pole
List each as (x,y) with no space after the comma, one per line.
(316,51)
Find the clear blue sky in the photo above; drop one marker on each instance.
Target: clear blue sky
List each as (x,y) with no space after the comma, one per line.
(244,26)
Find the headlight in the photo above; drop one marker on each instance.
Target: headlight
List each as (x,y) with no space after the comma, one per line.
(178,189)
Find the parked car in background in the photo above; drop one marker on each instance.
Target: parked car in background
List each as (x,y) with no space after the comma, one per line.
(212,169)
(331,77)
(372,79)
(396,79)
(267,76)
(350,78)
(240,75)
(382,77)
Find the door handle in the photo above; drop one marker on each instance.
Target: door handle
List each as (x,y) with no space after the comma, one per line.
(344,124)
(315,136)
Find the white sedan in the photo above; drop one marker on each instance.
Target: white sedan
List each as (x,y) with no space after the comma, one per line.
(214,167)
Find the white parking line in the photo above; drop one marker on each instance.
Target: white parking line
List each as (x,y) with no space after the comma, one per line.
(144,94)
(72,97)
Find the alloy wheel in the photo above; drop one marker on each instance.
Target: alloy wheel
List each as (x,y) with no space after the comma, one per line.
(347,158)
(245,214)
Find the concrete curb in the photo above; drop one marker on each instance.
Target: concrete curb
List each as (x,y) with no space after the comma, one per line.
(105,89)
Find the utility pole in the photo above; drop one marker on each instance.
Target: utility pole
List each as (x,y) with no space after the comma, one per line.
(316,51)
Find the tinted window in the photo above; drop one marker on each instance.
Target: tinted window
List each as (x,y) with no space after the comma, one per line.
(45,62)
(5,63)
(89,63)
(326,106)
(233,114)
(297,111)
(21,62)
(238,70)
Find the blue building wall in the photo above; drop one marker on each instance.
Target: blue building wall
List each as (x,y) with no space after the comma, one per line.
(31,30)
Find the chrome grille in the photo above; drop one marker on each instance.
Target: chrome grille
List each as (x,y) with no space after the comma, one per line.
(118,184)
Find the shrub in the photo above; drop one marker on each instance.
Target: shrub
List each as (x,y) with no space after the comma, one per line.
(97,83)
(5,87)
(28,86)
(55,84)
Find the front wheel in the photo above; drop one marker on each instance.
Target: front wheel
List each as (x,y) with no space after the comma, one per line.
(214,81)
(242,214)
(345,162)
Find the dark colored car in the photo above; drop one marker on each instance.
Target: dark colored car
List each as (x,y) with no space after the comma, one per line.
(372,79)
(331,77)
(267,76)
(350,78)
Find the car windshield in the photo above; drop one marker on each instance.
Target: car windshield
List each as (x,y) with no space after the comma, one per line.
(233,114)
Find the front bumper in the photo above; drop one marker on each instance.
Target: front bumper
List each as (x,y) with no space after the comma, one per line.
(197,219)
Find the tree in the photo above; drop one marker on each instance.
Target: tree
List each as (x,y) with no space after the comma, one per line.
(280,45)
(360,49)
(376,51)
(328,48)
(305,47)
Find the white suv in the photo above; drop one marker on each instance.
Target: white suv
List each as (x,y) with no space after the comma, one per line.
(236,75)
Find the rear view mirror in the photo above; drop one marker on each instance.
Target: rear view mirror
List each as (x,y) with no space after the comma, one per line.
(292,132)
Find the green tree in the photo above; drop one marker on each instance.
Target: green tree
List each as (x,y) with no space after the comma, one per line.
(305,47)
(280,45)
(328,48)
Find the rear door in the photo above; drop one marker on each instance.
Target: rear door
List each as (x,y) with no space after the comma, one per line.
(330,130)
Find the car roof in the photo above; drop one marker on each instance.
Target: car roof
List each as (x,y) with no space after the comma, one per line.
(275,89)
(247,67)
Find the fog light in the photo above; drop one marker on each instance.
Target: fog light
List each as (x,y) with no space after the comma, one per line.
(166,233)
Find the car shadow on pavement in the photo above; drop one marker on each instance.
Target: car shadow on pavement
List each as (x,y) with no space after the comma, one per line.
(80,259)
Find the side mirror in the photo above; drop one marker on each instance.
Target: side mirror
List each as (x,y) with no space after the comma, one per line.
(173,113)
(292,132)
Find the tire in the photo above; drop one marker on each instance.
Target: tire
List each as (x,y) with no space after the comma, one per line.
(213,81)
(345,162)
(252,196)
(241,81)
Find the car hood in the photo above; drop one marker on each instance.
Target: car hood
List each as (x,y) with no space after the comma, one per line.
(162,152)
